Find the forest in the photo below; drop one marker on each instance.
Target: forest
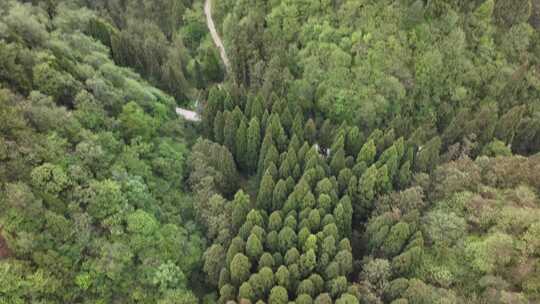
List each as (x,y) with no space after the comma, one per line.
(349,152)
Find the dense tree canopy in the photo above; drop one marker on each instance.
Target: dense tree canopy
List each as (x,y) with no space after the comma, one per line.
(91,172)
(357,151)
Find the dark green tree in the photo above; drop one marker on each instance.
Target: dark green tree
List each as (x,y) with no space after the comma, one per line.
(219,125)
(245,292)
(278,295)
(214,105)
(427,156)
(240,268)
(310,131)
(508,13)
(241,148)
(241,208)
(367,153)
(254,247)
(253,144)
(264,197)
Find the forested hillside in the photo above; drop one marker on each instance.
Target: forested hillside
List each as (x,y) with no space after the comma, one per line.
(356,152)
(345,103)
(453,69)
(94,207)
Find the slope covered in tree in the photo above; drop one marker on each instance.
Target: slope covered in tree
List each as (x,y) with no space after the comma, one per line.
(92,163)
(358,152)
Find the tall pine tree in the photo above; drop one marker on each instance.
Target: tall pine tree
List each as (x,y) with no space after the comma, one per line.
(241,145)
(253,144)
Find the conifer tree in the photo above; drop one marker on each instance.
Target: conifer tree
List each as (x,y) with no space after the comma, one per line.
(240,268)
(265,146)
(508,123)
(390,158)
(236,246)
(266,260)
(385,141)
(227,166)
(253,144)
(298,126)
(285,169)
(249,105)
(278,105)
(254,247)
(271,158)
(219,125)
(272,170)
(283,276)
(241,145)
(345,221)
(265,121)
(286,120)
(275,221)
(326,134)
(428,155)
(343,179)
(214,262)
(245,292)
(287,239)
(353,141)
(229,131)
(367,190)
(241,208)
(367,153)
(257,108)
(214,104)
(266,189)
(310,131)
(294,145)
(278,133)
(228,103)
(404,176)
(279,195)
(338,161)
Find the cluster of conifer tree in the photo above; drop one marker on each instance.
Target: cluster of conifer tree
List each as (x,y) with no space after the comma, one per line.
(292,240)
(466,71)
(333,107)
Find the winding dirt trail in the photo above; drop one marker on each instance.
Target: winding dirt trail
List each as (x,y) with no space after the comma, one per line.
(192,115)
(215,36)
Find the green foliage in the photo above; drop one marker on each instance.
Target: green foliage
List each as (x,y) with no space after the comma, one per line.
(214,262)
(469,248)
(93,167)
(253,144)
(496,148)
(264,197)
(367,153)
(254,247)
(509,13)
(240,268)
(246,291)
(278,295)
(428,155)
(329,111)
(135,122)
(241,208)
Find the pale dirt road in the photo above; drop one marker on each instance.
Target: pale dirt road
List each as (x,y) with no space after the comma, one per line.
(215,36)
(192,115)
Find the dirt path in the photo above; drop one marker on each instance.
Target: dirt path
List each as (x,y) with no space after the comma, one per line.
(215,35)
(192,115)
